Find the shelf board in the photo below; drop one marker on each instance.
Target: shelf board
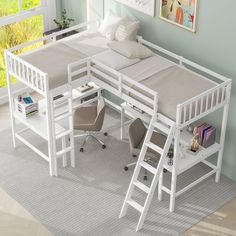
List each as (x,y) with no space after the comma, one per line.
(38,124)
(189,160)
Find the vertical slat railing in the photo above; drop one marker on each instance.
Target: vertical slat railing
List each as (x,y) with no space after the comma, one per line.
(26,73)
(202,104)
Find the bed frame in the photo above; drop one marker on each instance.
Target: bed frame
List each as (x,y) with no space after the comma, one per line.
(47,125)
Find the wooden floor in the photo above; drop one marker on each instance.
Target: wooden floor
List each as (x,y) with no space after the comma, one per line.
(15,220)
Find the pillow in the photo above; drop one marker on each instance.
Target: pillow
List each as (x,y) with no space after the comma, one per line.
(131,49)
(109,25)
(127,30)
(114,60)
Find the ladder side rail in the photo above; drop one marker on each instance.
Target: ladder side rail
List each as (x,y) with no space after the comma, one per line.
(156,177)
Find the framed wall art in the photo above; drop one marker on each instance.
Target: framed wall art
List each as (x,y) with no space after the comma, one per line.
(180,12)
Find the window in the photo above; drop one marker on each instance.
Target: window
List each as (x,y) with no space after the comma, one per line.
(22,21)
(17,33)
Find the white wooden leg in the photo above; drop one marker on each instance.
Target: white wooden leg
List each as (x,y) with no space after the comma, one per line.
(72,153)
(173,192)
(64,157)
(160,184)
(222,141)
(174,170)
(122,123)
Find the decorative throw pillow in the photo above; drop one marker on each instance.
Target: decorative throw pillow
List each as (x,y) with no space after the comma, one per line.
(114,60)
(127,30)
(109,25)
(131,49)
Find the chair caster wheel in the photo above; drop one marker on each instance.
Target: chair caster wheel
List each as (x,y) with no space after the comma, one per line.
(126,168)
(105,133)
(81,150)
(165,170)
(145,177)
(103,146)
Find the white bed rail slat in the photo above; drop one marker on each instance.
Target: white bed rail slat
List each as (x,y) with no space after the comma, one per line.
(203,104)
(26,73)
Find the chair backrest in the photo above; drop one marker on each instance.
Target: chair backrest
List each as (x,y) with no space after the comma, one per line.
(100,113)
(137,132)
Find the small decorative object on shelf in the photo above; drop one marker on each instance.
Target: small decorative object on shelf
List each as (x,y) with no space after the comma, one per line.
(195,143)
(64,22)
(25,105)
(170,156)
(85,88)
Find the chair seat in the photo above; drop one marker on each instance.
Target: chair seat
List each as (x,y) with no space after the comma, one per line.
(85,117)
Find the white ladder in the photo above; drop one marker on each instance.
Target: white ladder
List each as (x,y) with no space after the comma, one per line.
(169,130)
(63,110)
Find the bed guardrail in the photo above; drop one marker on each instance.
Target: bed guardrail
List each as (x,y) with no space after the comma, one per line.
(203,104)
(54,35)
(131,91)
(26,73)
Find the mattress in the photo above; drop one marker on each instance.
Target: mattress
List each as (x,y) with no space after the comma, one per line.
(55,58)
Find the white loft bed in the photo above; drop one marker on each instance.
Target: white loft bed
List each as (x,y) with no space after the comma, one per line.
(140,93)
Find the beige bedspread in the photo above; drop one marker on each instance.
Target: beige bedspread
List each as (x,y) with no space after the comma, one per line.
(54,60)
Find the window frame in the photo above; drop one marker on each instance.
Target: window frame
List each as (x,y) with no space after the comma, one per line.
(47,9)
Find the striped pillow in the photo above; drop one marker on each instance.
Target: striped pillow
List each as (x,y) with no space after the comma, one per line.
(127,30)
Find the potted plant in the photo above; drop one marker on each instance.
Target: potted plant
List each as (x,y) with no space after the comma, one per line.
(64,22)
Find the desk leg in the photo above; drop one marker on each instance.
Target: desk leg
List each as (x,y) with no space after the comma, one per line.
(122,123)
(160,186)
(64,158)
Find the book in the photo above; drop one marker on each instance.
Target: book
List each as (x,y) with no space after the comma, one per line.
(209,137)
(202,130)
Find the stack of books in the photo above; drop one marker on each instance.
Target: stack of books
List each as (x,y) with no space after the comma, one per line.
(207,134)
(26,106)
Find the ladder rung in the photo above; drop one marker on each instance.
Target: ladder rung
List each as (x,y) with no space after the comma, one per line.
(161,127)
(142,186)
(61,117)
(60,153)
(62,134)
(154,147)
(148,167)
(135,205)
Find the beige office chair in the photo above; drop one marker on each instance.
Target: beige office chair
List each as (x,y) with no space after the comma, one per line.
(90,120)
(137,133)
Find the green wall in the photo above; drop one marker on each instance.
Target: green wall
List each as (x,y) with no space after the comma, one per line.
(76,9)
(213,46)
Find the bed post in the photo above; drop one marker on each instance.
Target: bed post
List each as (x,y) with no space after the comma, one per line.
(11,99)
(175,160)
(223,132)
(50,129)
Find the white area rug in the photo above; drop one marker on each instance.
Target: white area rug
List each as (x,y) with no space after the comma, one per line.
(87,200)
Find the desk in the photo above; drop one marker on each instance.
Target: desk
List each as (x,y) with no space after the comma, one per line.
(133,113)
